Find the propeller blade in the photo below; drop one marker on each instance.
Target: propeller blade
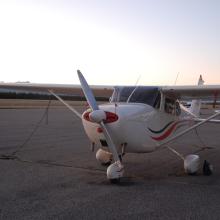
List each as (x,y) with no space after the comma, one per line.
(93,104)
(110,142)
(87,92)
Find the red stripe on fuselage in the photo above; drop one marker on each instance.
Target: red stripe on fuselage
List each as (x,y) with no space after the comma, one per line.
(168,132)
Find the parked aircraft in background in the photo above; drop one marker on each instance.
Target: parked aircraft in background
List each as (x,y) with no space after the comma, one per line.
(195,105)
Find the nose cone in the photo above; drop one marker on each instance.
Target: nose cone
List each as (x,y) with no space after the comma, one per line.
(99,116)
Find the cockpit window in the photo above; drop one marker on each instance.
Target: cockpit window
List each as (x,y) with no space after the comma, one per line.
(121,93)
(142,94)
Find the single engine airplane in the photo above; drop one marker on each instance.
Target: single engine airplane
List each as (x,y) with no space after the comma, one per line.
(142,120)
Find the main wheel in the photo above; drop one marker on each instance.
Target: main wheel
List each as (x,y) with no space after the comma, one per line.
(191,164)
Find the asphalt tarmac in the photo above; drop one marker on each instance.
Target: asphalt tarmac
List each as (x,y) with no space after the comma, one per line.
(54,175)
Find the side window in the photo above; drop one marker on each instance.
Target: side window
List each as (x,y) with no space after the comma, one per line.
(172,107)
(178,109)
(169,106)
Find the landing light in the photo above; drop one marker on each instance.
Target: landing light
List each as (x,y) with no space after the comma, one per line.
(99,130)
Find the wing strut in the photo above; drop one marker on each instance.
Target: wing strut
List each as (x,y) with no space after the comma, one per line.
(66,104)
(189,129)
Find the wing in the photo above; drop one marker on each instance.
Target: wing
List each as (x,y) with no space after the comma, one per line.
(40,91)
(193,92)
(206,93)
(61,92)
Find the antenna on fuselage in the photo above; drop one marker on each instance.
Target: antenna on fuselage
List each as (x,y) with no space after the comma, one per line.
(136,86)
(177,76)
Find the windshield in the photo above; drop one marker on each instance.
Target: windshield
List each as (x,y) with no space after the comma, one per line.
(142,94)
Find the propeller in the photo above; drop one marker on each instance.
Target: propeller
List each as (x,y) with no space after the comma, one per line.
(96,111)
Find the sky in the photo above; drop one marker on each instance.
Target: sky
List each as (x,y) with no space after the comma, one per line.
(112,42)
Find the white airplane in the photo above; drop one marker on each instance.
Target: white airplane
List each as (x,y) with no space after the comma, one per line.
(141,119)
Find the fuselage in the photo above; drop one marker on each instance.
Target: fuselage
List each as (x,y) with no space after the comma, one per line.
(139,127)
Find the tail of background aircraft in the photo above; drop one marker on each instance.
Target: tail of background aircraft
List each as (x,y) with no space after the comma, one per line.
(201,81)
(196,103)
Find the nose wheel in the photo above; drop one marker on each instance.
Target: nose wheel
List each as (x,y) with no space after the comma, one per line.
(115,171)
(104,157)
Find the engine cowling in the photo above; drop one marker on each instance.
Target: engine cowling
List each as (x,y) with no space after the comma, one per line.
(104,157)
(191,164)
